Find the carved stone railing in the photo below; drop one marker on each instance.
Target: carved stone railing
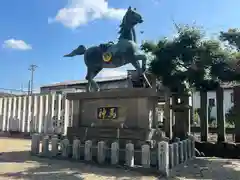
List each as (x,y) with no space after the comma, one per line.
(162,159)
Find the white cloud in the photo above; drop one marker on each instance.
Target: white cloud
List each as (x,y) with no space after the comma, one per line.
(16,44)
(79,12)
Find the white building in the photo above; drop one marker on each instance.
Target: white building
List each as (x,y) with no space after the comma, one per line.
(126,82)
(211,96)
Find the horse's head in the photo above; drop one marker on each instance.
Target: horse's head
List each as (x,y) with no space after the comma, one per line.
(132,17)
(79,51)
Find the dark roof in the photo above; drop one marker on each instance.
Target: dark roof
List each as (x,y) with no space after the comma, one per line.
(3,94)
(83,82)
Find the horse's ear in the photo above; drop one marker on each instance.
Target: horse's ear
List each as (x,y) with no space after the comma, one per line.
(129,8)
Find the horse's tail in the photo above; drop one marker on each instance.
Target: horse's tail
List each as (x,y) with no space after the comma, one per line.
(76,52)
(81,49)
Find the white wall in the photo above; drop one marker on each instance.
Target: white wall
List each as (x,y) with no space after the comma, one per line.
(212,94)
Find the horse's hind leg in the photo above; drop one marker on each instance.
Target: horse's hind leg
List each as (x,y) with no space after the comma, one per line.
(89,84)
(91,73)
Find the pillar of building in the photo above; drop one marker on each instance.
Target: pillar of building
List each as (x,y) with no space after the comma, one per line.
(236,96)
(203,116)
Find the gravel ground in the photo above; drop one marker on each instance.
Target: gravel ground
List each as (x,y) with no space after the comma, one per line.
(16,163)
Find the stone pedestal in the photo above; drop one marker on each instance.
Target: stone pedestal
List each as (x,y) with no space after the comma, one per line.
(182,116)
(115,114)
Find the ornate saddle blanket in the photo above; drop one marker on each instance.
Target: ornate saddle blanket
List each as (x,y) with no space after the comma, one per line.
(106,55)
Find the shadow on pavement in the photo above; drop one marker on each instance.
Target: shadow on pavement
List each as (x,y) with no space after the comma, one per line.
(16,164)
(42,168)
(209,168)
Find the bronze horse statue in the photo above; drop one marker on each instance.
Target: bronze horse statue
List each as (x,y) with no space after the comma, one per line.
(112,55)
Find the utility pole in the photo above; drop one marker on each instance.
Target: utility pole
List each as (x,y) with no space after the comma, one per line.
(32,68)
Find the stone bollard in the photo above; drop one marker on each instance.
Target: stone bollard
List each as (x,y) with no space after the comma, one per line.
(129,155)
(176,154)
(185,150)
(192,139)
(189,147)
(114,153)
(65,146)
(177,139)
(35,144)
(45,146)
(76,149)
(101,156)
(88,150)
(146,160)
(171,156)
(181,153)
(55,142)
(163,158)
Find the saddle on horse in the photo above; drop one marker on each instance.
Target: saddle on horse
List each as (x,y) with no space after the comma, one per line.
(107,56)
(104,46)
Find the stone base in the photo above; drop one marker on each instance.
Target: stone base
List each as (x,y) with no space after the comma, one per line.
(132,108)
(123,135)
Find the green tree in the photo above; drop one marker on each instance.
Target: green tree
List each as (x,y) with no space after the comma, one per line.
(188,61)
(191,61)
(232,36)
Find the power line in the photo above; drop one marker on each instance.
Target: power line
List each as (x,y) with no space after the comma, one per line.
(32,68)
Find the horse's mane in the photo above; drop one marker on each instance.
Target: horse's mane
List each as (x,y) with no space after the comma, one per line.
(124,32)
(122,25)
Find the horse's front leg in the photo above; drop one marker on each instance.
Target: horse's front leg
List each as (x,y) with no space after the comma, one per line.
(97,88)
(92,85)
(89,86)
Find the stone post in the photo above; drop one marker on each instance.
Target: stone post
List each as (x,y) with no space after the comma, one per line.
(146,156)
(203,116)
(185,150)
(88,150)
(163,157)
(181,156)
(45,146)
(176,154)
(130,154)
(65,147)
(171,156)
(76,149)
(114,153)
(35,144)
(189,146)
(101,152)
(55,141)
(220,115)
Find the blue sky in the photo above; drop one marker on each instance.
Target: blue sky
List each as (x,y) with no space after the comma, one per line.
(42,31)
